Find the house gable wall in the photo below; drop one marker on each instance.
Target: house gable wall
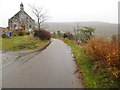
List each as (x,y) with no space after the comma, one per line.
(21,19)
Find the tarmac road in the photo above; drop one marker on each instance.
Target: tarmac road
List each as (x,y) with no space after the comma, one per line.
(54,67)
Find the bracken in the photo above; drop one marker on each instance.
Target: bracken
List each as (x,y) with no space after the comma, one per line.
(106,53)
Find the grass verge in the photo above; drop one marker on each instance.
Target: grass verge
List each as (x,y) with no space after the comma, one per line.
(17,43)
(101,79)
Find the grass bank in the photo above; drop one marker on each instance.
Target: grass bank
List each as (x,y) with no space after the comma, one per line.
(90,78)
(17,43)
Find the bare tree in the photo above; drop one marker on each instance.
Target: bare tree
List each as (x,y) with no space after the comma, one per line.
(83,33)
(40,15)
(76,31)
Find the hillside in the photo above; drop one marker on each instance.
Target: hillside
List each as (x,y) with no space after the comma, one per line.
(102,28)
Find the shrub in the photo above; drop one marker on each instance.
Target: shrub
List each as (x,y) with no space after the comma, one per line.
(4,35)
(42,34)
(26,32)
(14,33)
(64,35)
(105,54)
(21,33)
(70,36)
(18,33)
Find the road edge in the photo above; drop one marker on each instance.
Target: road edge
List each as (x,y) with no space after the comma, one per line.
(34,50)
(28,53)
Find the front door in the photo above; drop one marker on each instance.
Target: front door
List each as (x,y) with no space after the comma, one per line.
(23,27)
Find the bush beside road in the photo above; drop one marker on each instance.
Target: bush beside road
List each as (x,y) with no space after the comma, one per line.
(93,77)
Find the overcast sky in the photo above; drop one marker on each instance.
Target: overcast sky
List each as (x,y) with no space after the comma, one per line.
(64,10)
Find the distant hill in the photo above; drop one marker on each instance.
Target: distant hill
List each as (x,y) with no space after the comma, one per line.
(102,28)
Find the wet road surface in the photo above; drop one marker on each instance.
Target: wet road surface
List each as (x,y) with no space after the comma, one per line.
(54,67)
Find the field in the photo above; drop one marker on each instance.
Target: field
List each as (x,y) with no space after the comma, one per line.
(20,43)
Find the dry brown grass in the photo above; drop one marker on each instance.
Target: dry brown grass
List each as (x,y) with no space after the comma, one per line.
(105,54)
